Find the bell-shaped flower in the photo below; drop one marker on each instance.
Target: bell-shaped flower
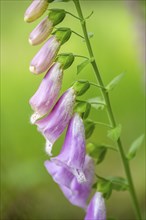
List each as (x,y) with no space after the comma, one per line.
(77,193)
(41,32)
(72,154)
(54,124)
(35,10)
(44,98)
(45,57)
(96,209)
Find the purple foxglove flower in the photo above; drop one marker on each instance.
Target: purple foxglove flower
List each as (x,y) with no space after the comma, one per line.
(35,10)
(45,57)
(75,192)
(72,154)
(41,32)
(44,98)
(54,124)
(96,208)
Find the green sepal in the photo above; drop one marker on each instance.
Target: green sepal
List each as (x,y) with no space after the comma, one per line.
(83,108)
(56,16)
(89,128)
(134,147)
(115,133)
(63,34)
(98,152)
(105,187)
(81,87)
(66,60)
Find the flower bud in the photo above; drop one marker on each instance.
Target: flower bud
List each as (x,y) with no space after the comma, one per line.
(45,57)
(96,208)
(35,10)
(65,59)
(56,16)
(62,34)
(76,193)
(41,32)
(44,98)
(72,154)
(54,124)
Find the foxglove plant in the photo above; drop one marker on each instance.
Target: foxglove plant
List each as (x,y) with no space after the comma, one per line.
(73,169)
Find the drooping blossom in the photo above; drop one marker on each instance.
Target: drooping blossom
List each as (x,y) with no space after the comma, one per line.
(41,32)
(72,155)
(77,193)
(54,124)
(96,209)
(35,10)
(45,57)
(44,98)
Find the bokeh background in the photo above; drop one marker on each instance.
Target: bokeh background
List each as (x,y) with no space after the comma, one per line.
(27,191)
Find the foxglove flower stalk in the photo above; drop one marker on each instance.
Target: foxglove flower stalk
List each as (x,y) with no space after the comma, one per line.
(96,208)
(41,32)
(72,155)
(74,191)
(54,124)
(44,98)
(45,57)
(35,10)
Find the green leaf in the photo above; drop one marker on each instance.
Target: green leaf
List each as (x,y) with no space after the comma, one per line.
(97,103)
(89,15)
(115,133)
(114,82)
(98,152)
(134,147)
(83,108)
(89,128)
(118,183)
(82,65)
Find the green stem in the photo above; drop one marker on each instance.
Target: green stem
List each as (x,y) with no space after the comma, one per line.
(109,112)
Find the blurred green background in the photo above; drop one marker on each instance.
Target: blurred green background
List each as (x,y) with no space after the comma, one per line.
(27,191)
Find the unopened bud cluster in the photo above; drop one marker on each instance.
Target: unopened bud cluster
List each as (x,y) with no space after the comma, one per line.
(72,169)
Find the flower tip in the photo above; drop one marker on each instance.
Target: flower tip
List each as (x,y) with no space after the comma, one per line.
(34,117)
(26,18)
(48,148)
(32,69)
(30,41)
